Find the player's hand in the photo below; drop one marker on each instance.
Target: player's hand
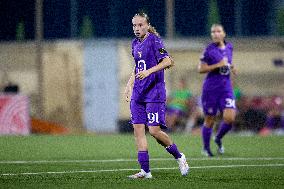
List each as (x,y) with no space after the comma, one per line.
(222,64)
(234,70)
(143,74)
(127,94)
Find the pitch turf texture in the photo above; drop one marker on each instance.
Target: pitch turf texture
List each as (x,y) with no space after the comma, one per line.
(104,161)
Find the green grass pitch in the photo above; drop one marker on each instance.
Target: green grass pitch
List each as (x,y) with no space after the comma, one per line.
(104,161)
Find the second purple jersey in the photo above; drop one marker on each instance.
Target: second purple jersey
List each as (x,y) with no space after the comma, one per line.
(149,53)
(218,79)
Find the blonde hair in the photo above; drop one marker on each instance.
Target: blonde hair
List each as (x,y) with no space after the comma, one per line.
(218,25)
(151,29)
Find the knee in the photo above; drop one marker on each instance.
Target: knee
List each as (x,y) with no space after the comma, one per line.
(139,132)
(229,119)
(154,132)
(209,122)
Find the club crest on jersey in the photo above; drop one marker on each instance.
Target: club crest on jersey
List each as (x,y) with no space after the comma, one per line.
(140,54)
(162,51)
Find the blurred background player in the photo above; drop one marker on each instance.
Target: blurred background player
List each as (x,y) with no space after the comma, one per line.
(178,105)
(196,116)
(275,117)
(146,89)
(217,92)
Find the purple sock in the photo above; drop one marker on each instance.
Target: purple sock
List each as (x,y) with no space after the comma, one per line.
(270,122)
(172,149)
(206,136)
(223,129)
(143,159)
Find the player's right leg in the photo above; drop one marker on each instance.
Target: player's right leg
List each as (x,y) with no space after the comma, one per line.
(210,107)
(138,119)
(206,135)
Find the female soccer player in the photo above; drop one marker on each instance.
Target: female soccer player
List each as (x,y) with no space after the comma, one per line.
(146,89)
(217,92)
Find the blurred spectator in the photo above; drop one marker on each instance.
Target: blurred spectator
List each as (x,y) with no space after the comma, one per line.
(275,117)
(260,114)
(195,115)
(237,92)
(255,115)
(177,105)
(239,97)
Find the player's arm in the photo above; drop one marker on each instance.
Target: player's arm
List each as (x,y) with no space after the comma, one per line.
(129,87)
(233,69)
(203,67)
(166,62)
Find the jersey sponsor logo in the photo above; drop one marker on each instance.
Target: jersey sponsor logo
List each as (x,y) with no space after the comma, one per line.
(162,51)
(225,70)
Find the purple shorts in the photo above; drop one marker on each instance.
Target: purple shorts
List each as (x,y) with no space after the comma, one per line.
(148,113)
(212,101)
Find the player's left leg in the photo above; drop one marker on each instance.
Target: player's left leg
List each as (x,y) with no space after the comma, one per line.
(229,115)
(156,120)
(164,139)
(206,133)
(210,107)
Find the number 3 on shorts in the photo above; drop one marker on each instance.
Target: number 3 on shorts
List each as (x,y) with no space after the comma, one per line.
(230,103)
(153,117)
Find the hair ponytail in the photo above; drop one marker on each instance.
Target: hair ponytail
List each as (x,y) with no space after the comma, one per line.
(153,30)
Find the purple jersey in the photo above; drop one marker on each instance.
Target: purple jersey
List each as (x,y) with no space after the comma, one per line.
(148,54)
(218,79)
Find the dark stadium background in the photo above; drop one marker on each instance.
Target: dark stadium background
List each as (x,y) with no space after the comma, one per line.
(110,17)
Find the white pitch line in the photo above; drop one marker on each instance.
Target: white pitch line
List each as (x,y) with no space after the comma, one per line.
(118,170)
(134,160)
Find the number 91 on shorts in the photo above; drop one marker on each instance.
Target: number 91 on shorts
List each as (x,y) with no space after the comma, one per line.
(148,113)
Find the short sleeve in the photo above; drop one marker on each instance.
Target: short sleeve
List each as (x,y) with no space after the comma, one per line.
(230,46)
(211,56)
(205,57)
(159,49)
(216,57)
